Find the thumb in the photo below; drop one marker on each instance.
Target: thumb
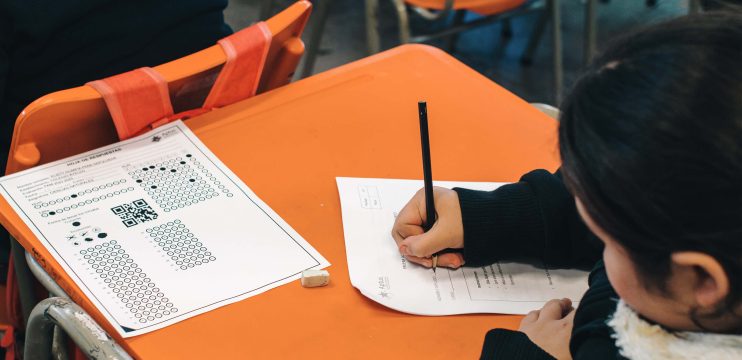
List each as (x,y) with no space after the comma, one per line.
(423,245)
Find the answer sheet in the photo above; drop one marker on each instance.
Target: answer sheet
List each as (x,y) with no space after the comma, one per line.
(156,229)
(369,207)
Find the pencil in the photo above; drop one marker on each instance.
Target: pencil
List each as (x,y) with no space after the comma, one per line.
(422,109)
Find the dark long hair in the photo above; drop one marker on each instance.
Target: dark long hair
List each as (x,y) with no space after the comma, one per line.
(651,143)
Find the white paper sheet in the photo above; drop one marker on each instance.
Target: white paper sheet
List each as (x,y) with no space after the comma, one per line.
(156,229)
(376,268)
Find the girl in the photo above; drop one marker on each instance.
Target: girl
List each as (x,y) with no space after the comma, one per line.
(651,147)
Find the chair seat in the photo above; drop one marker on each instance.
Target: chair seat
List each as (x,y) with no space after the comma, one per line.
(482,7)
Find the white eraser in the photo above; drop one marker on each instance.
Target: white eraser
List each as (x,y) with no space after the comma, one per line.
(315,278)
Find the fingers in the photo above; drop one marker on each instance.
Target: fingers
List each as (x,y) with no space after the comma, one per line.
(409,220)
(531,316)
(420,261)
(556,309)
(453,261)
(425,244)
(402,231)
(566,306)
(447,232)
(413,212)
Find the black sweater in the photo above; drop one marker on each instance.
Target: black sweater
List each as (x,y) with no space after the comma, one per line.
(537,218)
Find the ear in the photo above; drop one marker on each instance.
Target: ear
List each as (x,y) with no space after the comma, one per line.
(712,283)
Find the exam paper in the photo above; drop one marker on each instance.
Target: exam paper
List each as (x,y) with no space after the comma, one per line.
(156,229)
(369,207)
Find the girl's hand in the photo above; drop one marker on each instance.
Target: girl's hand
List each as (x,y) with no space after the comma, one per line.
(551,327)
(447,232)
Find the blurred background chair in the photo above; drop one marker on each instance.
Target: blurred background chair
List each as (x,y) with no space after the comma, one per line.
(439,10)
(489,11)
(504,43)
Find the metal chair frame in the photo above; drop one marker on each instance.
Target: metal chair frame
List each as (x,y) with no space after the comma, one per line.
(56,312)
(434,15)
(49,322)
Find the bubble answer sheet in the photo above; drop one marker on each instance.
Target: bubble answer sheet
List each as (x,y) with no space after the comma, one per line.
(156,229)
(369,207)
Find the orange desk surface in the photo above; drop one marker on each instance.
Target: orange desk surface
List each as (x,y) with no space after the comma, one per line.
(358,120)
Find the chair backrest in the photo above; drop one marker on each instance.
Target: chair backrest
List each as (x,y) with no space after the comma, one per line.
(72,121)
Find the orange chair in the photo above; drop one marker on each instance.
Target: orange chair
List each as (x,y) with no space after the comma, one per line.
(487,8)
(78,113)
(80,117)
(491,10)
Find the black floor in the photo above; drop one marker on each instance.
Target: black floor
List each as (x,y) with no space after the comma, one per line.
(483,48)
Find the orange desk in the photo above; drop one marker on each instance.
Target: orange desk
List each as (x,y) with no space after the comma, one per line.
(358,120)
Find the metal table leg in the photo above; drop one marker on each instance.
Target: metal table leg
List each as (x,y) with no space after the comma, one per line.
(556,34)
(404,21)
(458,19)
(373,42)
(25,279)
(538,32)
(315,36)
(591,32)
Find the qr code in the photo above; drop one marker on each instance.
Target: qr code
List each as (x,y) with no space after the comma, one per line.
(135,213)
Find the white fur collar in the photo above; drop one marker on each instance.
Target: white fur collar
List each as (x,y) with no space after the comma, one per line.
(639,340)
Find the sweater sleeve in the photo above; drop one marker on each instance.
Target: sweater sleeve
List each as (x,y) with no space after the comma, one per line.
(533,218)
(508,344)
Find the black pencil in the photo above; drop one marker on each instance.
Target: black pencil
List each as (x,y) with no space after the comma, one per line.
(422,109)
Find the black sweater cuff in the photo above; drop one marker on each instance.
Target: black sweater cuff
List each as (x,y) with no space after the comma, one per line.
(534,218)
(508,344)
(494,221)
